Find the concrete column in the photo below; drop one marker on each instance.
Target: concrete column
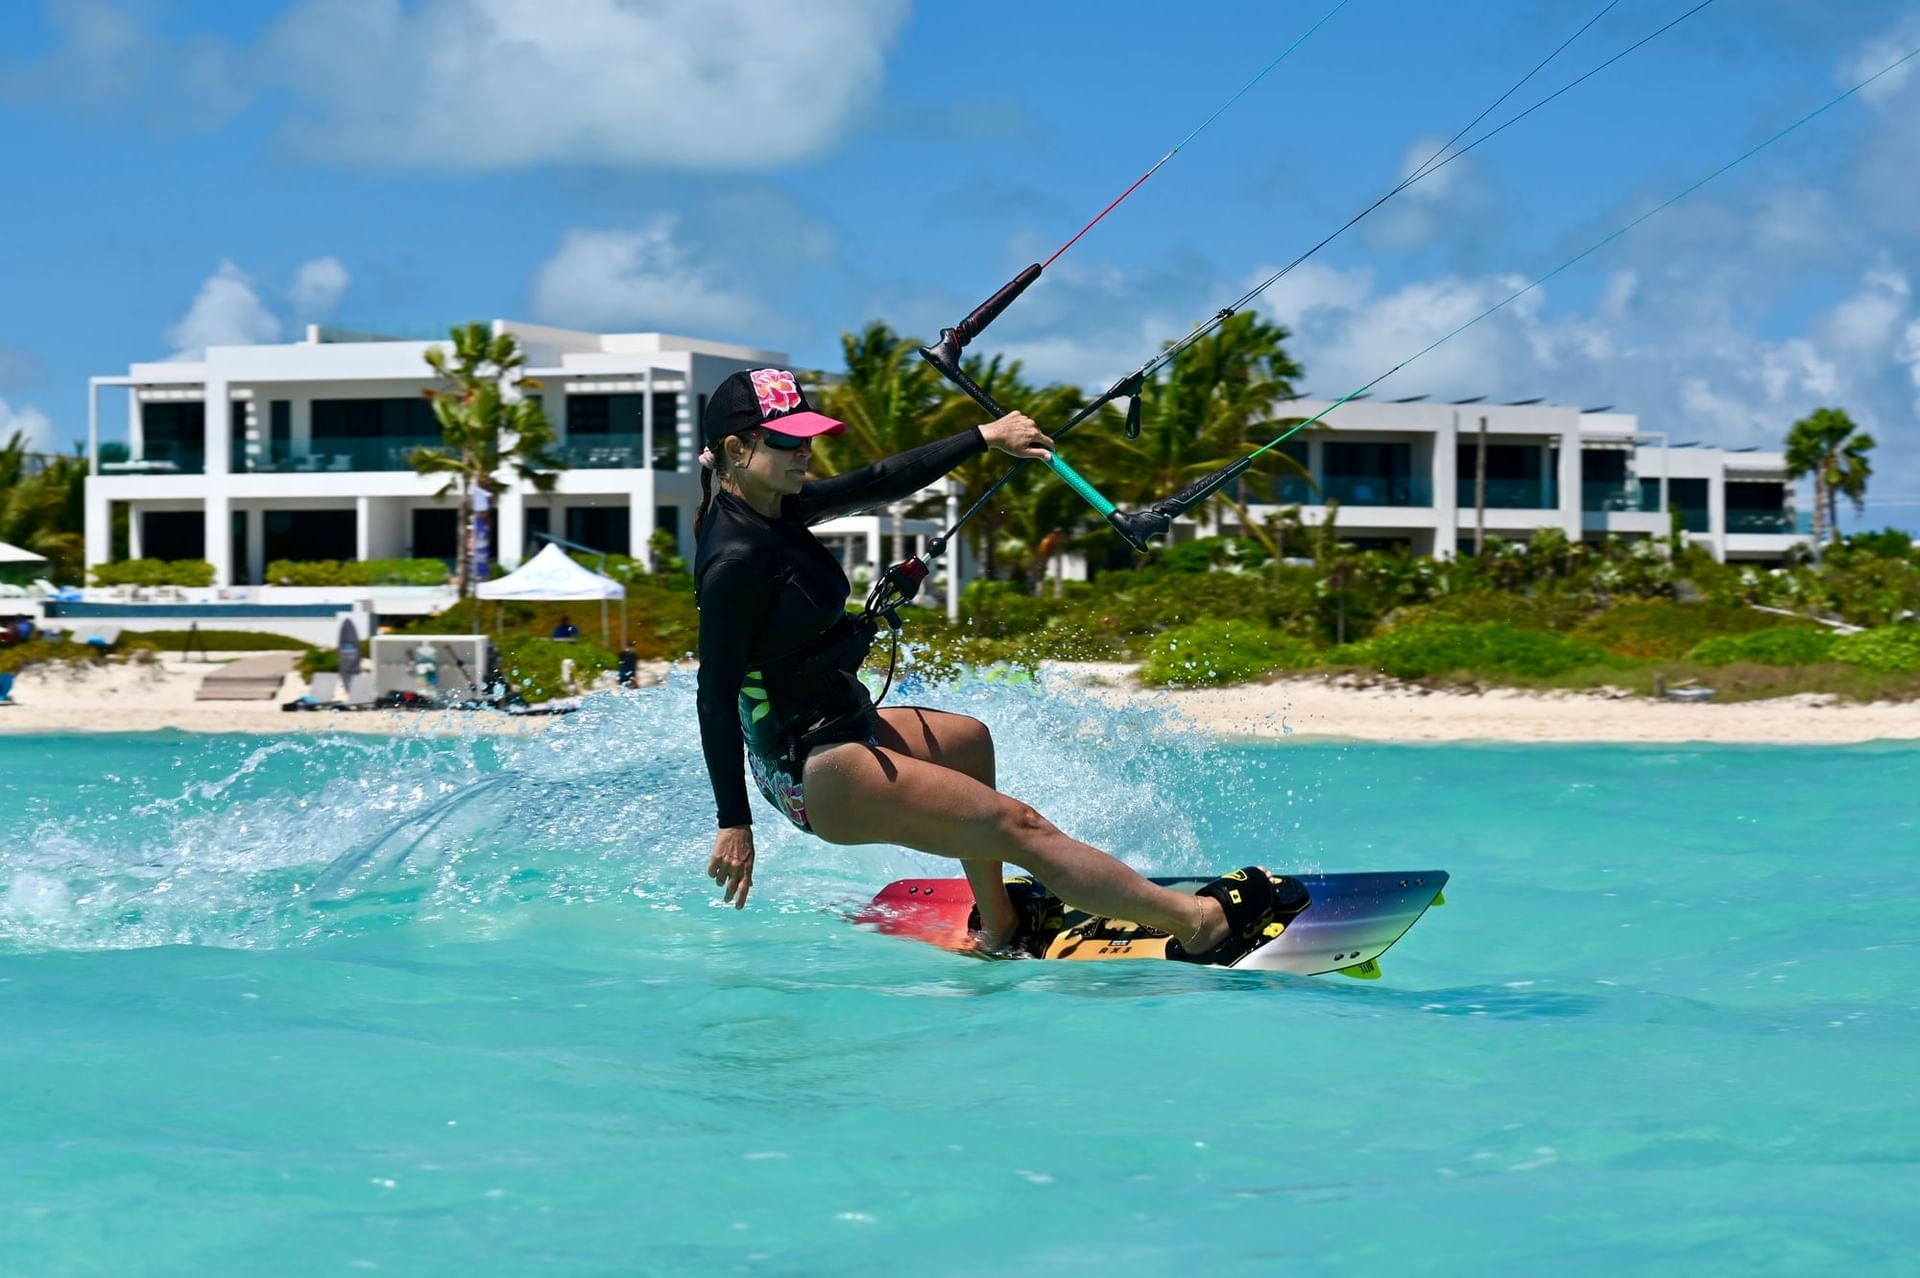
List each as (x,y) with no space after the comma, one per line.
(512,514)
(300,423)
(219,431)
(1446,488)
(640,516)
(1570,496)
(646,421)
(1717,513)
(362,528)
(99,522)
(874,553)
(136,538)
(256,544)
(220,525)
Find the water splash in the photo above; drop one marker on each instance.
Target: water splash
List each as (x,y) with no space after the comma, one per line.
(304,838)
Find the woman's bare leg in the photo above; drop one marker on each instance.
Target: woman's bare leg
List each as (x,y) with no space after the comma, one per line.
(963,744)
(868,794)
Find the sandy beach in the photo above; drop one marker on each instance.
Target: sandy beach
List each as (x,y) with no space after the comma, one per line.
(160,695)
(1322,708)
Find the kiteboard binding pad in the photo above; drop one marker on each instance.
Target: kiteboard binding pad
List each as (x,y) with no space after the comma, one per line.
(1322,922)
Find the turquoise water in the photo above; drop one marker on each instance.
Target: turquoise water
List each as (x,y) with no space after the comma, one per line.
(331,1004)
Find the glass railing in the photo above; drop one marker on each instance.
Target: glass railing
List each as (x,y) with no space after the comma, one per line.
(1512,494)
(1768,521)
(161,459)
(1694,519)
(332,456)
(1611,495)
(1355,490)
(619,452)
(1378,490)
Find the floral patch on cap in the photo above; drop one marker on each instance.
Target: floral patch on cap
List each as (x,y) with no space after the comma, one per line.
(777,390)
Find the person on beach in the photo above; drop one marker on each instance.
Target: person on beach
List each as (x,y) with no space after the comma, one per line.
(778,662)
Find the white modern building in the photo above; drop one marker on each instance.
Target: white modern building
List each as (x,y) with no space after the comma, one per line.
(309,459)
(1404,474)
(300,451)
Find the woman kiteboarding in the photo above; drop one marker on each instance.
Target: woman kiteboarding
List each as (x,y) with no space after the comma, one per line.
(779,657)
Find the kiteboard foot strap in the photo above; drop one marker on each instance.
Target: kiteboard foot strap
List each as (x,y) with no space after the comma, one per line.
(1253,903)
(1041,916)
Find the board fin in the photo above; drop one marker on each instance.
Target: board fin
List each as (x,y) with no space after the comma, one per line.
(1439,898)
(1367,971)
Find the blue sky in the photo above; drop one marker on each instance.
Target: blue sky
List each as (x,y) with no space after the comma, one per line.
(186,174)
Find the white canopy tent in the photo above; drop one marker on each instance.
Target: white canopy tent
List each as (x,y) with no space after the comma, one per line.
(552,575)
(15,555)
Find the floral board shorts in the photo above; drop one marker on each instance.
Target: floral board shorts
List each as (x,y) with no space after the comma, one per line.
(778,773)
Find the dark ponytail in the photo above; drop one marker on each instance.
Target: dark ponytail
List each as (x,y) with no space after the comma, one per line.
(706,500)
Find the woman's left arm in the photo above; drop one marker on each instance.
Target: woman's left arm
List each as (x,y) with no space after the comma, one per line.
(904,474)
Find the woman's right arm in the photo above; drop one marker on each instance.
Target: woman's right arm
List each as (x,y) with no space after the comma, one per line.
(734,595)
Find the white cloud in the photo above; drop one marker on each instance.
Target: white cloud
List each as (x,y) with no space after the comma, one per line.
(637,279)
(489,84)
(30,422)
(317,287)
(226,312)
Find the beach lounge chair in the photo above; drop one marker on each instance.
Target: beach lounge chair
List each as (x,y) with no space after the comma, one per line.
(360,689)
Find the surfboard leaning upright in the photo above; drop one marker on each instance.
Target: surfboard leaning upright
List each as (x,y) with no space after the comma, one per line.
(1349,921)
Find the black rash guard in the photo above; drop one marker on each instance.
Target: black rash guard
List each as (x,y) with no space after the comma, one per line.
(767,590)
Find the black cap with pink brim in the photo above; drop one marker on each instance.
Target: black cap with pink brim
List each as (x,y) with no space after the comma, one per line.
(763,397)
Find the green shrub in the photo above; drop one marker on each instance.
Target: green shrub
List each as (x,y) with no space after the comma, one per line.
(213,640)
(533,665)
(1889,649)
(1217,652)
(154,572)
(1490,648)
(360,572)
(1774,646)
(1661,629)
(315,660)
(1203,554)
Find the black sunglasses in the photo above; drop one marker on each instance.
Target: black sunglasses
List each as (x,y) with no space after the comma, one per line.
(785,443)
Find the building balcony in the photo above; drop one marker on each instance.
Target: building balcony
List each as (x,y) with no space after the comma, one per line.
(161,459)
(339,456)
(1769,521)
(1512,494)
(618,452)
(1356,490)
(1615,495)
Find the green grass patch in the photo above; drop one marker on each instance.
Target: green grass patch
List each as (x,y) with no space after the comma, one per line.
(1656,629)
(1487,649)
(1888,649)
(213,640)
(1774,646)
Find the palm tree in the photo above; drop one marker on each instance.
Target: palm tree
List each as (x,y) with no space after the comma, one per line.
(1210,408)
(487,423)
(1827,445)
(41,503)
(888,398)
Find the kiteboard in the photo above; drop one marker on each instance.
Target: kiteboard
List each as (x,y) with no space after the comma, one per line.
(1328,922)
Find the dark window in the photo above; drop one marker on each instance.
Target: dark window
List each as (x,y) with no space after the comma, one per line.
(1290,487)
(1368,474)
(539,520)
(242,562)
(1603,465)
(173,534)
(588,415)
(667,518)
(1504,461)
(175,431)
(308,535)
(666,430)
(237,435)
(434,534)
(1689,497)
(1756,496)
(602,528)
(373,434)
(280,431)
